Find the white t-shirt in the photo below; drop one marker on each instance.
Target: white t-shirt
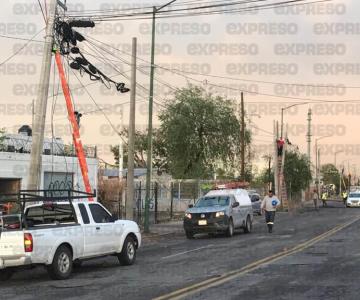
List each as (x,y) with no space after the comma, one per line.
(268,202)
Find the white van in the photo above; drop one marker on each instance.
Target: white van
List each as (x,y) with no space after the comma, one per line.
(219,211)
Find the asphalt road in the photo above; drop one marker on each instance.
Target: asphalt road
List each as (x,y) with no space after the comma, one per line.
(242,267)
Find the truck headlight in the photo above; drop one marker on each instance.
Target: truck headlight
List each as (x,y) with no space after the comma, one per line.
(188,215)
(219,214)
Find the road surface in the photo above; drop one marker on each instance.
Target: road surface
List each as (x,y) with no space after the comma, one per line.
(310,255)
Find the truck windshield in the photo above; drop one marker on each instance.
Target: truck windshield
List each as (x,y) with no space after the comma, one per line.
(213,201)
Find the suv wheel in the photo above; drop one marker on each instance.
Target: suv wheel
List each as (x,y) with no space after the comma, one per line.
(6,274)
(230,230)
(62,264)
(248,225)
(127,256)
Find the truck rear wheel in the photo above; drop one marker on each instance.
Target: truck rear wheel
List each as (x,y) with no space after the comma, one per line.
(127,256)
(6,274)
(62,264)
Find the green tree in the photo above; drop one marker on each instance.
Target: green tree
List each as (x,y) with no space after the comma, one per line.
(297,172)
(200,130)
(140,147)
(330,174)
(261,179)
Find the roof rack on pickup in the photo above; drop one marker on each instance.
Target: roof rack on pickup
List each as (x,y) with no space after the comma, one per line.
(23,197)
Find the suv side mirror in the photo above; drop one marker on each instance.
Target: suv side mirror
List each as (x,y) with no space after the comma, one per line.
(191,205)
(235,204)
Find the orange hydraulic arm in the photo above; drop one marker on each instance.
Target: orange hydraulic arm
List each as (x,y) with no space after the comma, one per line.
(75,127)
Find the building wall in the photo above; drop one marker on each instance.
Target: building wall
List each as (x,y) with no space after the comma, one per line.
(16,165)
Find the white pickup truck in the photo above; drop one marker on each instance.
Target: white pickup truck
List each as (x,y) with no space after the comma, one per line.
(60,235)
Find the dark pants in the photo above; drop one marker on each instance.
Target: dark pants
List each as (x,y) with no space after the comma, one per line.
(270,218)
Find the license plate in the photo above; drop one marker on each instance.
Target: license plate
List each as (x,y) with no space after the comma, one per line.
(202,222)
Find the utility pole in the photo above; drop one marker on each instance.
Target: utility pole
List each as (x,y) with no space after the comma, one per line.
(269,175)
(131,142)
(242,173)
(41,104)
(309,136)
(121,169)
(150,123)
(276,173)
(309,145)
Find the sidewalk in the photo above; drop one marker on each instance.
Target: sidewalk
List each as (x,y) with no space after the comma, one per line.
(163,230)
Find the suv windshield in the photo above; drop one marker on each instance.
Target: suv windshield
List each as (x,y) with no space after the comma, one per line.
(357,195)
(213,201)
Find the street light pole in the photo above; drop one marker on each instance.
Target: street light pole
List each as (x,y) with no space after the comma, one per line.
(150,123)
(337,152)
(282,116)
(317,160)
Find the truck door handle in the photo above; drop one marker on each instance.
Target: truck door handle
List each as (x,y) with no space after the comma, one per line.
(97,228)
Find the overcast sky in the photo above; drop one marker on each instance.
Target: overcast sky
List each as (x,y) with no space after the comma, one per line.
(313,45)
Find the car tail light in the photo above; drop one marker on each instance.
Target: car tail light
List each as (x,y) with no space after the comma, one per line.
(28,242)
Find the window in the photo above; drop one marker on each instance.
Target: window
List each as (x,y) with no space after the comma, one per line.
(50,213)
(99,214)
(213,201)
(84,214)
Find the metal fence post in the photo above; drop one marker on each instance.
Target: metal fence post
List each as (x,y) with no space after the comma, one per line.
(156,188)
(171,200)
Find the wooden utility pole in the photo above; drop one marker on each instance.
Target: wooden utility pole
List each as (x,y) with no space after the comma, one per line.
(269,174)
(150,123)
(131,142)
(309,137)
(276,161)
(41,104)
(242,172)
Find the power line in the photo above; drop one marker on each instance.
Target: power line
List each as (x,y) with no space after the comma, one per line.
(146,16)
(21,48)
(179,73)
(122,60)
(167,11)
(217,76)
(97,105)
(94,11)
(42,11)
(20,39)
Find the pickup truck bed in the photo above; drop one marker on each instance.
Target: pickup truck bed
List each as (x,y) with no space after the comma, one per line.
(58,234)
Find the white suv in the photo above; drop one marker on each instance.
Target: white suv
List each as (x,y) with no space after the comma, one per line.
(353,199)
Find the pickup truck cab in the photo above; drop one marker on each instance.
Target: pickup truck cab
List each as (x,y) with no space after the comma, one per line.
(60,235)
(219,211)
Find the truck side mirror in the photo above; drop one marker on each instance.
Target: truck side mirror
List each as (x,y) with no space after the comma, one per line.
(113,219)
(235,204)
(191,205)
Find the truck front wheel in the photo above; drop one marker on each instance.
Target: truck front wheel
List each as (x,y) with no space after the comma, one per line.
(6,274)
(127,256)
(62,264)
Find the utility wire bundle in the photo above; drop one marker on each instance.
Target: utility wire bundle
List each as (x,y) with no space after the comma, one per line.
(67,39)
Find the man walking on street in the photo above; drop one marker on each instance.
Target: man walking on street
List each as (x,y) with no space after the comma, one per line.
(269,205)
(315,199)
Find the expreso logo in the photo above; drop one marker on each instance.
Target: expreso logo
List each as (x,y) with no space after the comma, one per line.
(222,49)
